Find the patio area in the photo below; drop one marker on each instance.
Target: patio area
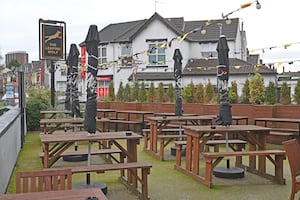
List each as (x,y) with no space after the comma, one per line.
(164,181)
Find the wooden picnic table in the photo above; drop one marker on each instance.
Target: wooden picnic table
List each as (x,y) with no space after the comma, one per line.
(129,113)
(74,194)
(254,135)
(62,141)
(53,113)
(105,112)
(237,119)
(50,125)
(172,114)
(278,120)
(158,123)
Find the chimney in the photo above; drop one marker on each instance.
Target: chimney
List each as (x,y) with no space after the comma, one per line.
(283,69)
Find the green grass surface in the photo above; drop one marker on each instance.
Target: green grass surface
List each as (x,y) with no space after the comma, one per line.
(164,181)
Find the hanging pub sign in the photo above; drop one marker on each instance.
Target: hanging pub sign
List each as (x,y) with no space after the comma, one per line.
(52,40)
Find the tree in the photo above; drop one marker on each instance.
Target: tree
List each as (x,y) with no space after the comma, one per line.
(135,91)
(188,93)
(199,93)
(209,92)
(38,99)
(13,65)
(151,93)
(270,94)
(171,93)
(111,91)
(127,93)
(232,93)
(246,92)
(285,94)
(120,94)
(297,92)
(257,89)
(160,92)
(142,93)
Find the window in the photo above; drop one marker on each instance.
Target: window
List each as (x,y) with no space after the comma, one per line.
(126,53)
(209,54)
(157,56)
(102,55)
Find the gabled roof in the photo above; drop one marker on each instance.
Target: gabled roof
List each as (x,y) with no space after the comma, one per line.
(127,31)
(236,67)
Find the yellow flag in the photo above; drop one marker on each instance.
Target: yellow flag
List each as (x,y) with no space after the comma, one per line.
(287,45)
(183,37)
(245,5)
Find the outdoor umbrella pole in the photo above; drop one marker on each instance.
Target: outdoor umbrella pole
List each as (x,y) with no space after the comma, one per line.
(91,41)
(224,116)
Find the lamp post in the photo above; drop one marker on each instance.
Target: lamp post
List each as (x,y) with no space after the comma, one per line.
(52,73)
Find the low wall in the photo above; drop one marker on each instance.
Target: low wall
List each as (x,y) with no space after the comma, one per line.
(250,110)
(10,144)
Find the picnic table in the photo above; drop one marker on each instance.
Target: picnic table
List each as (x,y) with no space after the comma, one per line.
(159,123)
(74,194)
(50,125)
(278,120)
(128,115)
(104,112)
(53,113)
(62,141)
(125,141)
(197,136)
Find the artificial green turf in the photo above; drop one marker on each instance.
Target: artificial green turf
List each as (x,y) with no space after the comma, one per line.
(165,182)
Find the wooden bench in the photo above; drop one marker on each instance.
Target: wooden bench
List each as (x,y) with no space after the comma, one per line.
(137,183)
(108,152)
(146,133)
(278,135)
(37,181)
(234,144)
(213,158)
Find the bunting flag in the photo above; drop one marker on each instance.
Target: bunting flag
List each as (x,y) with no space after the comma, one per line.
(285,46)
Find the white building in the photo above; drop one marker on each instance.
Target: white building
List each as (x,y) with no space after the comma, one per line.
(133,51)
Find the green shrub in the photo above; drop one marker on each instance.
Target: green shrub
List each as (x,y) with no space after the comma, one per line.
(33,108)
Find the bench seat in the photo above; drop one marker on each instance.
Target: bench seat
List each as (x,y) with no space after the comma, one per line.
(234,144)
(213,158)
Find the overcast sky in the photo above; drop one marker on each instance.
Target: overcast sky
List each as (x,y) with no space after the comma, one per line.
(275,24)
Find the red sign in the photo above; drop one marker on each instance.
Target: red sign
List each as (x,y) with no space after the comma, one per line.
(83,55)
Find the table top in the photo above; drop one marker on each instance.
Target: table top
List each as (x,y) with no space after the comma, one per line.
(172,114)
(234,117)
(62,120)
(75,194)
(179,118)
(134,111)
(58,111)
(223,129)
(270,119)
(106,110)
(83,136)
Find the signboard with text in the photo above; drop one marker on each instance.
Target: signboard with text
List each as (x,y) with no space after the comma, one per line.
(52,40)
